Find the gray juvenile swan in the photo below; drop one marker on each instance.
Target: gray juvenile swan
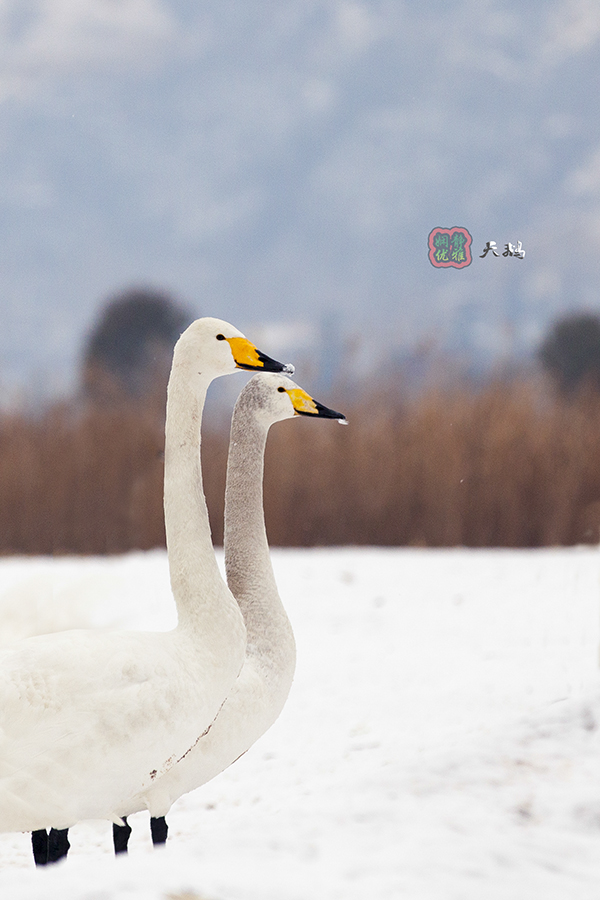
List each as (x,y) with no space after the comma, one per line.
(260,691)
(91,720)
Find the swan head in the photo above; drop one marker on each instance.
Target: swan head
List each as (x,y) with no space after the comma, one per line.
(271,398)
(211,347)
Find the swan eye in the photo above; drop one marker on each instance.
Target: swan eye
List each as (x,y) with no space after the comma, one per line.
(220,337)
(281,390)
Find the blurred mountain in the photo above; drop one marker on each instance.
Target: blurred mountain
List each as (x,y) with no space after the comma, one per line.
(284,163)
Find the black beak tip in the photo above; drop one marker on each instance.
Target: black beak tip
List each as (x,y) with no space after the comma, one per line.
(272,365)
(325,413)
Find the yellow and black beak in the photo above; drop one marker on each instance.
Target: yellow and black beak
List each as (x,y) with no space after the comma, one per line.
(304,405)
(246,356)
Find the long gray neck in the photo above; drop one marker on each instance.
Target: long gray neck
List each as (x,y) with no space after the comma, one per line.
(270,648)
(247,561)
(198,588)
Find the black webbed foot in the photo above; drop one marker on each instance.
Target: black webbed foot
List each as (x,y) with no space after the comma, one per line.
(159,830)
(121,836)
(39,843)
(49,848)
(58,844)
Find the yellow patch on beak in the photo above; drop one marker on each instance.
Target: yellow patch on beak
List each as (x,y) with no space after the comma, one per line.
(302,402)
(245,354)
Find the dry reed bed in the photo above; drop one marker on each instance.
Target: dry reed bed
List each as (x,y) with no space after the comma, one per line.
(86,482)
(498,467)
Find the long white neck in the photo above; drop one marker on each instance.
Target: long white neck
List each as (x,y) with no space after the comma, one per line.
(200,593)
(247,561)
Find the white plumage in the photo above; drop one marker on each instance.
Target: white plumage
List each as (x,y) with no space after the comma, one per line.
(90,721)
(260,691)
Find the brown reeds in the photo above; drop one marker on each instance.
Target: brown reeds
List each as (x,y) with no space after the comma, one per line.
(498,467)
(85,482)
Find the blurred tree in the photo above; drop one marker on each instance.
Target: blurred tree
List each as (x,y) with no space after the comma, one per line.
(570,353)
(128,352)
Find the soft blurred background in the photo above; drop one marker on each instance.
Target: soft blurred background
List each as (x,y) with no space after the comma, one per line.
(281,165)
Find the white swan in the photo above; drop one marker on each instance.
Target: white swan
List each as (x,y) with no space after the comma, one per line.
(262,687)
(91,720)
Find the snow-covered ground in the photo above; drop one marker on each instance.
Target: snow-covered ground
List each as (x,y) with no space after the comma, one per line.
(441,741)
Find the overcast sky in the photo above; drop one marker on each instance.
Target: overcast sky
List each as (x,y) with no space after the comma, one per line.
(281,163)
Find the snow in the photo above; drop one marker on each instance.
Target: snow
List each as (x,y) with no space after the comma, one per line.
(441,741)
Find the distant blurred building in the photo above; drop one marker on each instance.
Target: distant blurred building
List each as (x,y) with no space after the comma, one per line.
(128,353)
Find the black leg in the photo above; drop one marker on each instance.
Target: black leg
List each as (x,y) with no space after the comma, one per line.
(58,844)
(159,830)
(121,836)
(39,842)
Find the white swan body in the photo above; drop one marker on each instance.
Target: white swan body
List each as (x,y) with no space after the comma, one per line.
(262,687)
(91,720)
